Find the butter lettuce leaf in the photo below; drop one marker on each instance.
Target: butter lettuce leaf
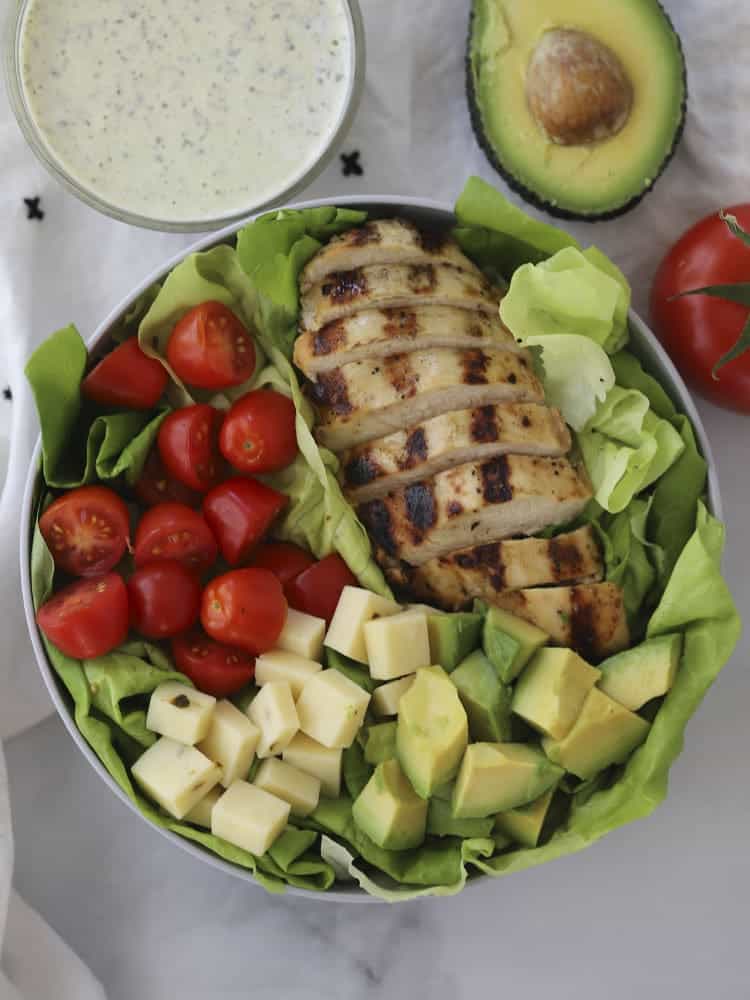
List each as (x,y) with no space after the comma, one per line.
(577,375)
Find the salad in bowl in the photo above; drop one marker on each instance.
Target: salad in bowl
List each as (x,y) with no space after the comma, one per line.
(372,551)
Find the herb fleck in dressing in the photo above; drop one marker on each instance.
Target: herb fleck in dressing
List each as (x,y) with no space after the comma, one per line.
(183,110)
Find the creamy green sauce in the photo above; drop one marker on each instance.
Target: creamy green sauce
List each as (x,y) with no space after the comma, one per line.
(182,109)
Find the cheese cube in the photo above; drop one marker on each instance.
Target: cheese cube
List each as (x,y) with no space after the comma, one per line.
(249,818)
(231,741)
(302,634)
(175,776)
(331,709)
(180,712)
(273,712)
(300,790)
(397,645)
(200,814)
(280,665)
(385,698)
(356,607)
(313,758)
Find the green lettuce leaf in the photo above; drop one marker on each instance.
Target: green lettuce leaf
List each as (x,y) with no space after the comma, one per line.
(577,375)
(631,560)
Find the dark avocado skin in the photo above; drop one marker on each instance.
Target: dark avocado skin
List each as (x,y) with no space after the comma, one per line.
(532,197)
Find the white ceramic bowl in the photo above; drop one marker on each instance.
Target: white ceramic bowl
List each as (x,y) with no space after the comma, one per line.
(643,343)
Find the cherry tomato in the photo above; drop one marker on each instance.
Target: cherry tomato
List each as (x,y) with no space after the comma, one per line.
(240,512)
(188,445)
(210,348)
(244,608)
(258,434)
(284,560)
(698,329)
(213,667)
(156,485)
(164,597)
(126,377)
(88,617)
(174,531)
(317,590)
(87,530)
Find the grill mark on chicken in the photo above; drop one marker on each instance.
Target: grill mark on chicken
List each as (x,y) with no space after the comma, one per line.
(342,287)
(364,235)
(496,487)
(566,558)
(484,425)
(431,240)
(475,368)
(422,278)
(420,508)
(400,323)
(526,421)
(487,557)
(455,508)
(361,470)
(415,450)
(401,375)
(583,631)
(377,519)
(330,390)
(329,338)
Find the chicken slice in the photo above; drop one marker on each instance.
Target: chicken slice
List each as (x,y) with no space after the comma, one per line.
(473,504)
(453,438)
(396,286)
(383,241)
(377,333)
(367,400)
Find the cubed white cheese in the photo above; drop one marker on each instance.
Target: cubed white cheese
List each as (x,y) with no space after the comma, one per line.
(331,709)
(231,741)
(180,712)
(385,698)
(300,790)
(273,712)
(397,645)
(280,665)
(200,814)
(302,634)
(356,607)
(313,758)
(249,818)
(176,776)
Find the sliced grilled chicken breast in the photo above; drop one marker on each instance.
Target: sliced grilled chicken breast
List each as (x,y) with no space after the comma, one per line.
(367,400)
(396,286)
(473,504)
(590,617)
(385,464)
(383,241)
(485,571)
(377,333)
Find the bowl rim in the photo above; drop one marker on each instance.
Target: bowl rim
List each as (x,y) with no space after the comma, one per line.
(427,207)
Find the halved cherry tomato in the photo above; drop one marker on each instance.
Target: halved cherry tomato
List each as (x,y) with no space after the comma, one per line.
(244,608)
(210,348)
(284,560)
(317,590)
(258,433)
(126,377)
(86,530)
(88,617)
(188,446)
(213,667)
(156,485)
(240,512)
(165,599)
(174,531)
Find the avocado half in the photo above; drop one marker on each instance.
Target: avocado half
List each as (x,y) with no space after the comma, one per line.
(578,104)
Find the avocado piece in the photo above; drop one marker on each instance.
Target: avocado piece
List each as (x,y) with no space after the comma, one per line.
(509,642)
(486,699)
(525,823)
(496,777)
(350,668)
(604,733)
(502,840)
(442,823)
(550,692)
(453,637)
(355,770)
(432,731)
(380,743)
(644,672)
(579,105)
(389,811)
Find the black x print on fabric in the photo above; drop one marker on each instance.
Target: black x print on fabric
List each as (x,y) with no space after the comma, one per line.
(350,164)
(33,211)
(7,394)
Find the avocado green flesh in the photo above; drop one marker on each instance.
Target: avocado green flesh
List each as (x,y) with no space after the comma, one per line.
(442,823)
(453,637)
(351,669)
(485,698)
(595,180)
(644,672)
(388,811)
(524,824)
(380,743)
(497,777)
(509,642)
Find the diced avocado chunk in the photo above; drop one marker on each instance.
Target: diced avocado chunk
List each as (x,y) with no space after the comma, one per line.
(389,811)
(550,692)
(444,792)
(643,672)
(432,731)
(496,777)
(453,637)
(350,668)
(485,698)
(604,733)
(525,823)
(510,642)
(380,743)
(442,823)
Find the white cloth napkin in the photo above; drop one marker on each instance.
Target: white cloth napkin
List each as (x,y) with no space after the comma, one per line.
(413,136)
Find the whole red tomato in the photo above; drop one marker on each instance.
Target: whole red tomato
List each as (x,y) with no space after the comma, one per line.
(698,329)
(258,433)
